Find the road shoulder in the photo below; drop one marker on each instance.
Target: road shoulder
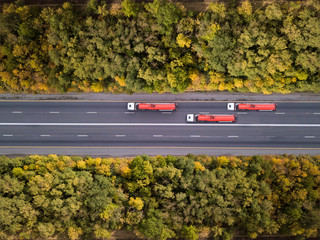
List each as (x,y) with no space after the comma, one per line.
(188,96)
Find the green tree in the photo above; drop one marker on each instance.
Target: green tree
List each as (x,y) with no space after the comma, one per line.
(190,232)
(154,228)
(129,8)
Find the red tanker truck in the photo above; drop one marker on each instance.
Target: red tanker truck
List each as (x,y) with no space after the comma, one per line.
(131,106)
(211,118)
(252,106)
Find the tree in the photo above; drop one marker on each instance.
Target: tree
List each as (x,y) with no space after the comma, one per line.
(190,232)
(166,14)
(129,8)
(154,228)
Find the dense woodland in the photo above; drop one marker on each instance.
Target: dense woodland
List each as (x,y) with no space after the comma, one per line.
(47,197)
(160,47)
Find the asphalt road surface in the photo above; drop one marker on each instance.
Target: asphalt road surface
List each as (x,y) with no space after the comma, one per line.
(107,128)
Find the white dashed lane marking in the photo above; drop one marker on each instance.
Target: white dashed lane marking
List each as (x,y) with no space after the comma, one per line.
(280,113)
(7,135)
(91,112)
(194,135)
(16,112)
(309,137)
(82,135)
(120,135)
(45,135)
(54,112)
(157,135)
(233,136)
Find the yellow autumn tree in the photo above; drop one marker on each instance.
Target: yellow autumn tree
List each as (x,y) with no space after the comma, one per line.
(74,233)
(81,164)
(121,81)
(198,167)
(222,161)
(183,41)
(97,87)
(137,203)
(245,8)
(198,80)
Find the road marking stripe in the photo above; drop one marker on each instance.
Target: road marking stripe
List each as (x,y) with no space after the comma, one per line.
(157,135)
(280,113)
(91,112)
(233,136)
(82,135)
(309,137)
(194,135)
(7,135)
(242,113)
(120,135)
(166,124)
(156,147)
(316,113)
(204,112)
(128,112)
(45,135)
(16,112)
(54,112)
(165,101)
(166,112)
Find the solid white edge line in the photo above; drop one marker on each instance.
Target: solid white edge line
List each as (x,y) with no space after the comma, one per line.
(7,135)
(166,124)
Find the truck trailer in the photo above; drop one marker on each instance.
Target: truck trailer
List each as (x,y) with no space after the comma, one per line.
(131,106)
(252,106)
(211,118)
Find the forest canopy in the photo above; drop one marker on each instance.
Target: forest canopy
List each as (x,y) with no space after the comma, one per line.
(238,46)
(50,197)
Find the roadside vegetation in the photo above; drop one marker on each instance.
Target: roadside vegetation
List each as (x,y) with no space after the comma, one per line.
(52,197)
(240,46)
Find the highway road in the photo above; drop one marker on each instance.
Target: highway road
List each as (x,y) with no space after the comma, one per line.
(107,128)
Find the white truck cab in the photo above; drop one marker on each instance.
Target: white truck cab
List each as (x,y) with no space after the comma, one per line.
(131,106)
(231,106)
(190,118)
